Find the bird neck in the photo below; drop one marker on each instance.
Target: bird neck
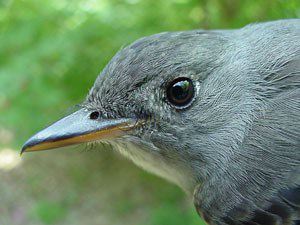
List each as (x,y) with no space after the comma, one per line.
(154,163)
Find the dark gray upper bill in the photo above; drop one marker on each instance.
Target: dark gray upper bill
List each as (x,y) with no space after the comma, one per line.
(75,124)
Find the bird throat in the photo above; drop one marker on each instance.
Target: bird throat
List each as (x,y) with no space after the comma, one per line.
(153,162)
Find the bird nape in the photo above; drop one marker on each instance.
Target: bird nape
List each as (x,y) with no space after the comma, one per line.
(216,112)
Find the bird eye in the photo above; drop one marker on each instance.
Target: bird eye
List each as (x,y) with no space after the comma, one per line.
(180,92)
(94,115)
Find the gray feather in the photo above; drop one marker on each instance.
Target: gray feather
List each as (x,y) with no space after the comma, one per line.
(236,147)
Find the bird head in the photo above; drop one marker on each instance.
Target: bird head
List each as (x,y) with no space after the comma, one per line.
(191,107)
(154,102)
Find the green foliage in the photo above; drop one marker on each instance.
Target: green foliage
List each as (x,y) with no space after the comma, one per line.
(51,52)
(167,214)
(49,212)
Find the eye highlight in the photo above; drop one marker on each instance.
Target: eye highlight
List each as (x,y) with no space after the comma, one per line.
(180,92)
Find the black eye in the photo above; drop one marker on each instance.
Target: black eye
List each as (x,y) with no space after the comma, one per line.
(180,92)
(94,115)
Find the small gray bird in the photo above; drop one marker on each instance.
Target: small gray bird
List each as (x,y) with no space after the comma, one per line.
(216,112)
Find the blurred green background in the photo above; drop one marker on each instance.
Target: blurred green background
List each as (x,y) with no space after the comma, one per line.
(50,53)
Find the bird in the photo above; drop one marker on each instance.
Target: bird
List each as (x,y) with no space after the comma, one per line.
(216,112)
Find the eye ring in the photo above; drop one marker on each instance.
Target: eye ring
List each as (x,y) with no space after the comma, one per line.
(180,92)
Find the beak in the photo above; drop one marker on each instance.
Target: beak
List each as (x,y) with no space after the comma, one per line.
(77,128)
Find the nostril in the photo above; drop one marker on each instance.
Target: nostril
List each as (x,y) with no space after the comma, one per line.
(94,115)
